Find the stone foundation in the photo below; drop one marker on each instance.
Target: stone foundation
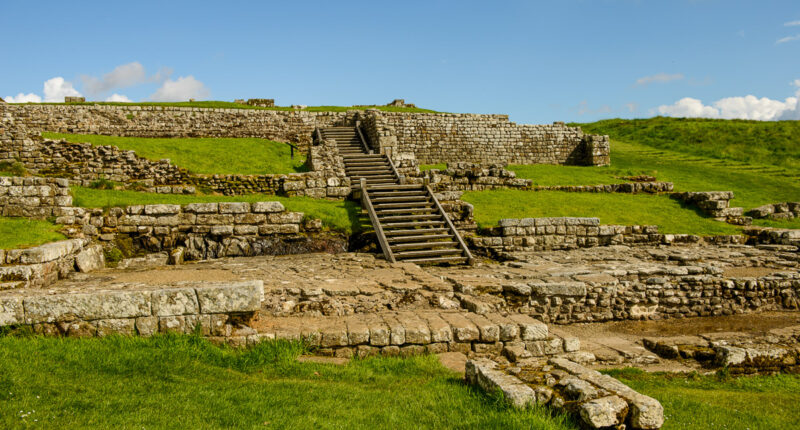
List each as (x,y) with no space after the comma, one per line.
(40,266)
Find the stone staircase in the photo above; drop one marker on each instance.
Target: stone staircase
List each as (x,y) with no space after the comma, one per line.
(408,220)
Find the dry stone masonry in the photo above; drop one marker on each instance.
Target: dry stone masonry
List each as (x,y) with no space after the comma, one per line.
(40,266)
(38,198)
(777,211)
(716,204)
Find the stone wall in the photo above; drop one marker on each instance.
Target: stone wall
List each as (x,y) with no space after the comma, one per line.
(483,139)
(40,266)
(534,234)
(541,234)
(157,121)
(206,230)
(777,211)
(715,204)
(215,308)
(432,138)
(38,198)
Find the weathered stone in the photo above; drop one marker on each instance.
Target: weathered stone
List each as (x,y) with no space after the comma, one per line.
(86,306)
(231,297)
(268,207)
(178,301)
(91,258)
(604,412)
(116,326)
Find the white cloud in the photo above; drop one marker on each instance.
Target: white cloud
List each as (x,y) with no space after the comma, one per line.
(659,78)
(632,107)
(122,76)
(57,88)
(118,98)
(23,98)
(688,107)
(791,23)
(788,39)
(182,89)
(747,107)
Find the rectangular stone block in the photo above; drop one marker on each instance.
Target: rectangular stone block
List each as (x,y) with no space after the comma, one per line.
(268,207)
(178,301)
(234,207)
(242,296)
(124,326)
(11,311)
(202,208)
(162,209)
(87,306)
(530,329)
(463,329)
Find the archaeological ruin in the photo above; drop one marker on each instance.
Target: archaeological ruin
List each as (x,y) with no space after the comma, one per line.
(424,279)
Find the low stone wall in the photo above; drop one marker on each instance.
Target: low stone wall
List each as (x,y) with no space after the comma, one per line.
(40,266)
(773,236)
(777,211)
(596,400)
(535,234)
(715,204)
(33,197)
(483,139)
(207,230)
(214,308)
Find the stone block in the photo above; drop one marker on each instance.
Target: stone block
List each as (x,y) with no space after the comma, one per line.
(87,306)
(268,207)
(178,301)
(11,311)
(162,209)
(605,412)
(231,297)
(234,207)
(91,258)
(124,326)
(202,208)
(530,329)
(146,326)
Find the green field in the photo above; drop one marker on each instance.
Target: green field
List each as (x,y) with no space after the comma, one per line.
(715,402)
(337,215)
(679,161)
(185,382)
(772,143)
(232,105)
(23,232)
(613,208)
(243,156)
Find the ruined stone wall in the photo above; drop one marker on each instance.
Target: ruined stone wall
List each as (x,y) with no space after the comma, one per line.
(541,234)
(206,230)
(157,121)
(33,197)
(484,139)
(40,266)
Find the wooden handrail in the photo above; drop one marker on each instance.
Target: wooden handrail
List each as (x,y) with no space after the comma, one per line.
(361,137)
(367,203)
(400,178)
(470,258)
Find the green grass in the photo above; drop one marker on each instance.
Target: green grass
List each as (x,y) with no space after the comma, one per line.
(754,142)
(712,402)
(793,223)
(337,215)
(23,232)
(232,105)
(243,156)
(185,382)
(670,215)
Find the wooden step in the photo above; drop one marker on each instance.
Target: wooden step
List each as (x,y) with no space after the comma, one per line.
(399,205)
(410,224)
(437,260)
(425,209)
(426,253)
(423,245)
(399,199)
(399,234)
(407,193)
(392,218)
(424,237)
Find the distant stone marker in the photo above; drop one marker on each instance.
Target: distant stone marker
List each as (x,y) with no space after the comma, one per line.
(401,103)
(69,99)
(261,102)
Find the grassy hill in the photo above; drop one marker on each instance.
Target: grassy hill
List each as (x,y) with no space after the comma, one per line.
(774,143)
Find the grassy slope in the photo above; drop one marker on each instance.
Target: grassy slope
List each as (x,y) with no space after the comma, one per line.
(754,142)
(22,233)
(337,215)
(245,156)
(185,382)
(232,105)
(625,209)
(710,402)
(752,184)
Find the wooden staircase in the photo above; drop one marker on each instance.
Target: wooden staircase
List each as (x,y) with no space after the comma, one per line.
(408,220)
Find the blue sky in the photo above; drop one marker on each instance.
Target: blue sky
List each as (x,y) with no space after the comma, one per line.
(536,61)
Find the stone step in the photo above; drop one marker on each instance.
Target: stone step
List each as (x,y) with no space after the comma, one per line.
(412,332)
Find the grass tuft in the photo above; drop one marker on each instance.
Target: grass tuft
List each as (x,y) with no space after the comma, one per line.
(24,233)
